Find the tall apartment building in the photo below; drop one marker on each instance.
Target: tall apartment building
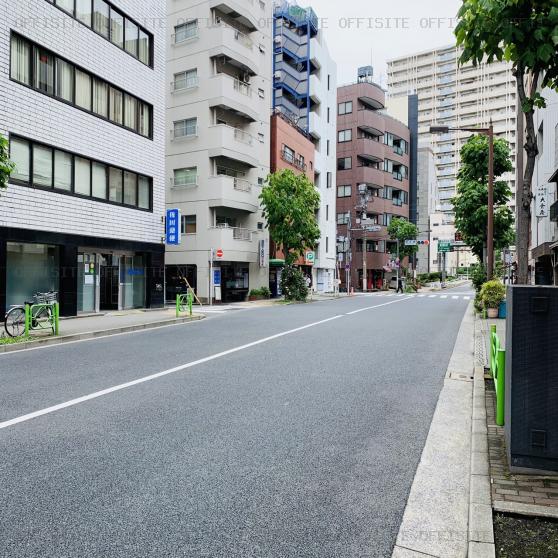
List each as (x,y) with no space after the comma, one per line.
(373,183)
(218,142)
(304,90)
(455,96)
(82,106)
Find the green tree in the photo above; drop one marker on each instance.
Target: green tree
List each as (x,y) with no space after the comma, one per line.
(525,33)
(6,166)
(401,230)
(471,203)
(290,202)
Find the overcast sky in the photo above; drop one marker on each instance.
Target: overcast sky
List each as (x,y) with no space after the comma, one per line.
(359,32)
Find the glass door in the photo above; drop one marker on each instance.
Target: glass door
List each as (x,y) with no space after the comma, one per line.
(87,282)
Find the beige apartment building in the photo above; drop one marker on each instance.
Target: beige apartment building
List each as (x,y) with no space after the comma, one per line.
(219,63)
(455,96)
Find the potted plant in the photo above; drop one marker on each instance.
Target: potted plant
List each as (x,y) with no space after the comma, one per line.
(492,294)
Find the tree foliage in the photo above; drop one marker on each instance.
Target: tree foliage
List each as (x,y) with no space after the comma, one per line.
(6,166)
(471,202)
(525,33)
(290,202)
(400,230)
(293,284)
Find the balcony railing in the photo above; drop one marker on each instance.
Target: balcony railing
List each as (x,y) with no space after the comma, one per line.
(242,87)
(185,36)
(243,39)
(238,233)
(398,150)
(397,175)
(297,162)
(243,137)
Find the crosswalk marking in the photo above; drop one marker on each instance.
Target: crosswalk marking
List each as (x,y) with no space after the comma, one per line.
(432,296)
(455,297)
(459,296)
(444,296)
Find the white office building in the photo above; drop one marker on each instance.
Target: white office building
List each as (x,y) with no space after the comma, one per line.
(218,143)
(83,108)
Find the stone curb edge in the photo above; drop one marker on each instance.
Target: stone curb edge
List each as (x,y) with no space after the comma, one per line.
(49,341)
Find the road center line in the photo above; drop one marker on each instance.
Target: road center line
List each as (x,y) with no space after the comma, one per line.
(378,306)
(120,387)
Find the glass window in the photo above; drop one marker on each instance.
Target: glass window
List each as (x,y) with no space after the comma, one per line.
(344,163)
(44,71)
(343,218)
(101,17)
(144,119)
(116,106)
(186,128)
(83,11)
(115,185)
(346,107)
(144,47)
(20,60)
(186,177)
(186,31)
(63,171)
(144,192)
(117,28)
(20,156)
(130,187)
(130,112)
(66,5)
(100,97)
(188,224)
(184,80)
(131,37)
(64,80)
(82,176)
(83,90)
(344,191)
(99,181)
(345,135)
(42,166)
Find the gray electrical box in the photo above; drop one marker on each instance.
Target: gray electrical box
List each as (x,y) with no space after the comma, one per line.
(531,406)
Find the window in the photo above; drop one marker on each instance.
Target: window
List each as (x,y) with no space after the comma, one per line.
(20,60)
(117,28)
(328,114)
(329,180)
(344,191)
(44,71)
(62,171)
(116,112)
(130,188)
(343,218)
(345,135)
(328,82)
(186,177)
(83,11)
(99,173)
(345,108)
(83,90)
(144,119)
(288,154)
(327,148)
(188,225)
(327,214)
(186,128)
(20,156)
(115,185)
(42,166)
(344,163)
(64,80)
(131,37)
(144,53)
(66,5)
(82,176)
(144,192)
(101,17)
(130,111)
(186,31)
(185,80)
(100,98)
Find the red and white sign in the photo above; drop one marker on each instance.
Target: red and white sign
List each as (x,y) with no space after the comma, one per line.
(219,254)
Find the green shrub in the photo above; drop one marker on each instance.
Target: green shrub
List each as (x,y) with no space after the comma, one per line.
(293,284)
(479,307)
(478,276)
(492,294)
(265,292)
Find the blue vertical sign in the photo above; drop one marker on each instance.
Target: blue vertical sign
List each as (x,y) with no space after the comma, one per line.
(173,227)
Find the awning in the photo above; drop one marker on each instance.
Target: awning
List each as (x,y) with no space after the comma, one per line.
(277,262)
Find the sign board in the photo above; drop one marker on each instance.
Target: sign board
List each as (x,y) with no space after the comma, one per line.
(340,256)
(310,257)
(541,202)
(347,267)
(217,277)
(445,246)
(172,227)
(262,252)
(411,242)
(219,254)
(373,228)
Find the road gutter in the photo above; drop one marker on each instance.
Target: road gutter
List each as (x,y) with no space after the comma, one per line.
(448,513)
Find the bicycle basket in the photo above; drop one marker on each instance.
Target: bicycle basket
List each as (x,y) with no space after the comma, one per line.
(46,298)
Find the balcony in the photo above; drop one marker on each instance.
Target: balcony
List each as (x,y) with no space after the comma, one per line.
(293,160)
(236,47)
(233,143)
(369,149)
(237,243)
(242,11)
(234,192)
(369,175)
(370,121)
(234,95)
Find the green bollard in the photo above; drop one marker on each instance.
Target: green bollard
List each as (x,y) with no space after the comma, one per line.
(501,387)
(178,306)
(190,300)
(27,320)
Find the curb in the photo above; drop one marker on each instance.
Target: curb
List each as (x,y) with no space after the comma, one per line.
(49,341)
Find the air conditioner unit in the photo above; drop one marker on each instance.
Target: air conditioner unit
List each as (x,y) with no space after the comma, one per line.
(277,75)
(278,40)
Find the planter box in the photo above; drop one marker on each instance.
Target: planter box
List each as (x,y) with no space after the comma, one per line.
(502,310)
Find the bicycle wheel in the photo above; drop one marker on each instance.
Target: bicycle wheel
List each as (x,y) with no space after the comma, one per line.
(14,322)
(42,319)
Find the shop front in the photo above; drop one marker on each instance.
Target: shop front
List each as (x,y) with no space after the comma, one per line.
(235,281)
(90,274)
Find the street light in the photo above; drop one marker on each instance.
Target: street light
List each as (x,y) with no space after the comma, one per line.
(490,232)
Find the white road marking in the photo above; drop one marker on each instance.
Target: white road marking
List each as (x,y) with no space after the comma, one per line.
(432,296)
(120,387)
(444,296)
(377,306)
(455,297)
(421,296)
(466,298)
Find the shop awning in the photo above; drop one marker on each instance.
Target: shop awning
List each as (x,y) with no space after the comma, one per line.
(277,262)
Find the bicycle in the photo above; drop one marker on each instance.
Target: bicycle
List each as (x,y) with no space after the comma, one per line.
(41,312)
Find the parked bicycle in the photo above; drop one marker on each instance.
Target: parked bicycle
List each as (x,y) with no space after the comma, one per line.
(41,313)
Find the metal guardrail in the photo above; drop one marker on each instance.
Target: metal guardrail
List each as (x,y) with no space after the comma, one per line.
(498,372)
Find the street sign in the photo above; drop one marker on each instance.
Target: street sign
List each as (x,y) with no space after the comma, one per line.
(310,257)
(219,254)
(347,267)
(445,246)
(172,227)
(541,202)
(217,277)
(411,242)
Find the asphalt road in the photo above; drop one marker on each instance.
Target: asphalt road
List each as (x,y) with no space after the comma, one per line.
(252,440)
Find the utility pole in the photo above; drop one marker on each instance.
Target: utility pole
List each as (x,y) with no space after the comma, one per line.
(490,232)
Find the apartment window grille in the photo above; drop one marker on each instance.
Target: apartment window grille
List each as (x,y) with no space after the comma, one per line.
(186,176)
(186,128)
(185,31)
